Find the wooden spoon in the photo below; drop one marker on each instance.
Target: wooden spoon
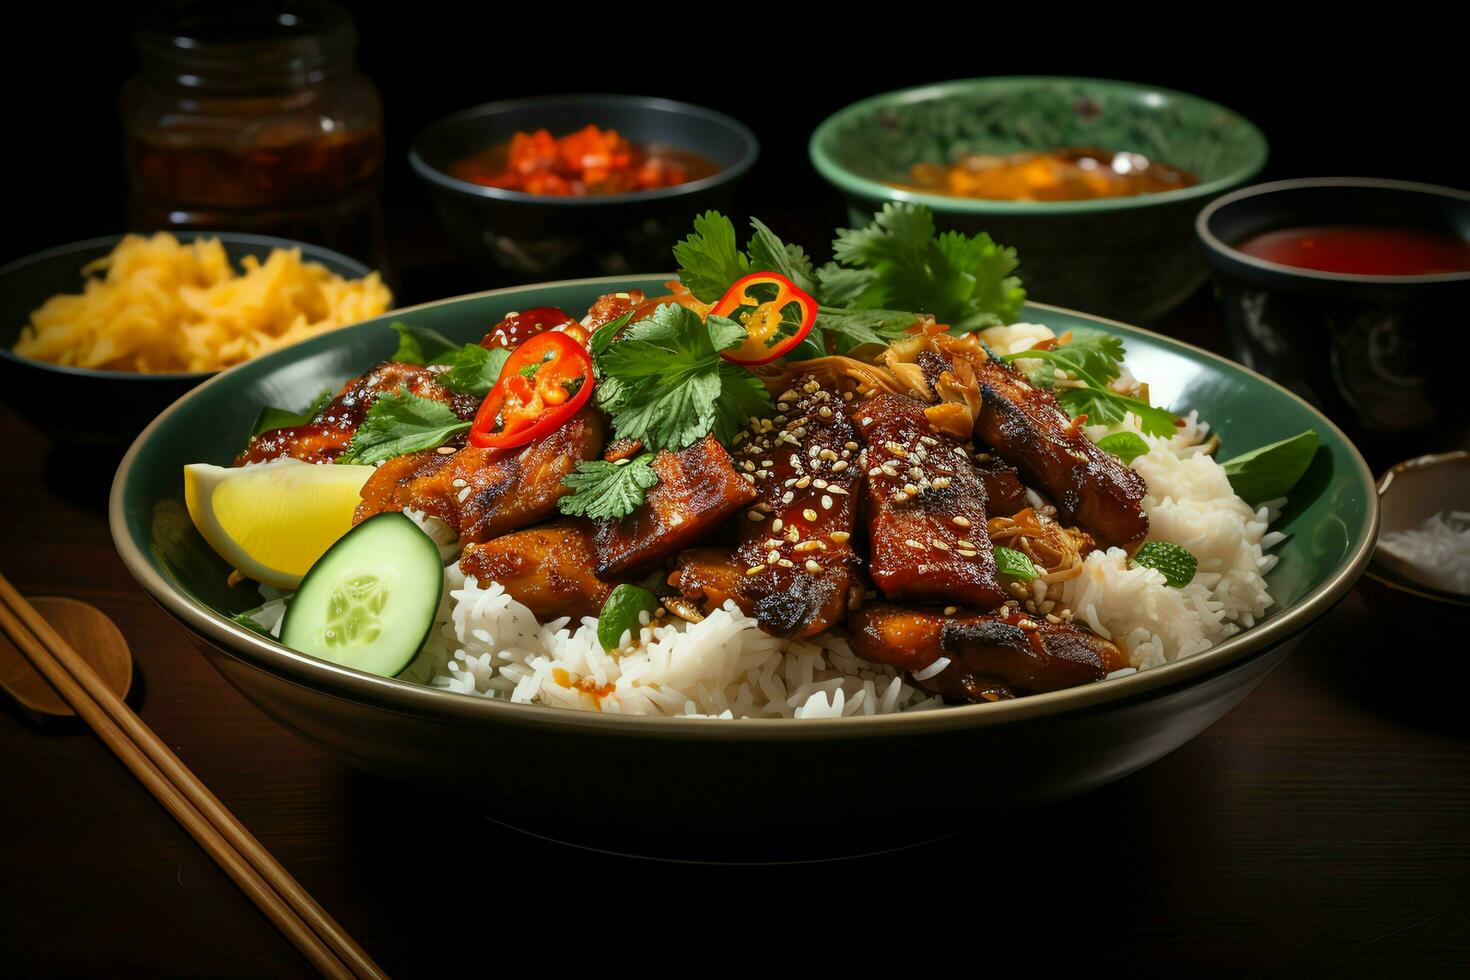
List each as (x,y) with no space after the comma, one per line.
(90,633)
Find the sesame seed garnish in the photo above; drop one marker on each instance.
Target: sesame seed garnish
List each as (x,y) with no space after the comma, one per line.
(827,454)
(874,472)
(867,420)
(810,514)
(748,466)
(819,483)
(940,482)
(786,563)
(804,482)
(961,520)
(836,489)
(910,489)
(777,525)
(749,477)
(812,566)
(966,552)
(839,466)
(447,450)
(965,543)
(951,610)
(807,546)
(787,497)
(825,412)
(1053,619)
(940,545)
(773,555)
(847,396)
(916,473)
(915,544)
(840,537)
(792,534)
(755,515)
(460,483)
(463,495)
(899,496)
(826,502)
(789,483)
(755,569)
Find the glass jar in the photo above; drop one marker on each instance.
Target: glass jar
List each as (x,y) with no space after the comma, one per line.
(254,117)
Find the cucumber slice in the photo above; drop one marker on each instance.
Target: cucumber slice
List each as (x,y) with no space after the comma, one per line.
(369,602)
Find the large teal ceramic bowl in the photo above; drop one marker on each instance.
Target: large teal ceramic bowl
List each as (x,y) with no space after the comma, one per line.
(1133,258)
(650,782)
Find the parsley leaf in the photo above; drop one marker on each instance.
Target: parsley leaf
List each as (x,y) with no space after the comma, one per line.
(607,491)
(665,383)
(280,418)
(854,328)
(419,345)
(769,254)
(473,370)
(401,423)
(961,280)
(1094,358)
(709,260)
(841,286)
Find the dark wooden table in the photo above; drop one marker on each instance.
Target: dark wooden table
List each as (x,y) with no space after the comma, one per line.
(1324,822)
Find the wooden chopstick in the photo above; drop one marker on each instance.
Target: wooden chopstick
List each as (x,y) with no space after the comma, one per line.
(305,923)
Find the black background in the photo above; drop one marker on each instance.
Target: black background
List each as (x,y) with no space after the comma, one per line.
(1382,99)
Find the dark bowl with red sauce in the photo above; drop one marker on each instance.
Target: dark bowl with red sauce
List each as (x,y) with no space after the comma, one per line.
(518,237)
(1352,292)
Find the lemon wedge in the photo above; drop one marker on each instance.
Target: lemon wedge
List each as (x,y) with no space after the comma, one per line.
(271,522)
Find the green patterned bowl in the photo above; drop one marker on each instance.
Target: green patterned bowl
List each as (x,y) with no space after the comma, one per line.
(702,788)
(1132,258)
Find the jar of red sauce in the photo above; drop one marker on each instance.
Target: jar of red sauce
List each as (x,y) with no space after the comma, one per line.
(254,117)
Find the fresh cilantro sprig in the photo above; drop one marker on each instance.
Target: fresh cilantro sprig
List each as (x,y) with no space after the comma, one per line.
(469,369)
(665,384)
(607,491)
(399,423)
(899,262)
(1096,359)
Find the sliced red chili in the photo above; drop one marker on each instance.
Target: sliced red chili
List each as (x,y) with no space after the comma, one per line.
(517,328)
(544,382)
(772,330)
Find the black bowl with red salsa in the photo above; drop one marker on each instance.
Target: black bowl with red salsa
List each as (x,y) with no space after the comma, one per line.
(668,161)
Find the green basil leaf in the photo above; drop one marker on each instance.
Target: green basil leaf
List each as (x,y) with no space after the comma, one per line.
(621,613)
(1270,471)
(1175,563)
(1127,446)
(280,418)
(1009,561)
(419,345)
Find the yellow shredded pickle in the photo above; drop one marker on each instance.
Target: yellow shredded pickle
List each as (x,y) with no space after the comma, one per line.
(160,306)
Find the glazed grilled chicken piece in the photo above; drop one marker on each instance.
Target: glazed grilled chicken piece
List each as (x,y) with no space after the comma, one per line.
(609,306)
(1023,424)
(1004,493)
(926,511)
(548,569)
(697,491)
(794,561)
(325,437)
(989,654)
(484,493)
